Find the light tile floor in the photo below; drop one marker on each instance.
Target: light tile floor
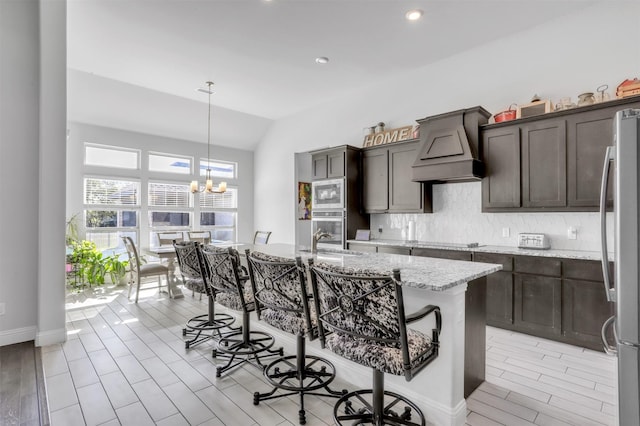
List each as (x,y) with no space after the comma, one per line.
(126,364)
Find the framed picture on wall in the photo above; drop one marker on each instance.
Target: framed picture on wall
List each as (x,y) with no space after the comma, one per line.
(304,201)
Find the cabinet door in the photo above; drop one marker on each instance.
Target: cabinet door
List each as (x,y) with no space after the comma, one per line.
(501,153)
(500,298)
(319,166)
(335,164)
(537,304)
(584,310)
(404,195)
(588,135)
(544,164)
(375,180)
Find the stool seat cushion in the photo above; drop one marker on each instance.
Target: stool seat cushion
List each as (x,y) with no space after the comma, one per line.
(195,284)
(232,301)
(375,354)
(291,322)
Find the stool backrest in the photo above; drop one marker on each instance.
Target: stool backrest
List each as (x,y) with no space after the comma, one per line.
(359,303)
(279,284)
(190,262)
(223,271)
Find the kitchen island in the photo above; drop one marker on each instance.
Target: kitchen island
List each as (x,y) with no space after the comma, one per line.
(456,286)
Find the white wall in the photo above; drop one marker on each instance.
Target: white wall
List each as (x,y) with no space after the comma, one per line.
(32,146)
(79,133)
(562,58)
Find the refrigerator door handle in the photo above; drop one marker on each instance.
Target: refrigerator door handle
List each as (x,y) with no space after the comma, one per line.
(610,350)
(606,170)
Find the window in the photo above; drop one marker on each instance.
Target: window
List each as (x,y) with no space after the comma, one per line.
(170,208)
(219,214)
(169,163)
(111,211)
(111,156)
(219,169)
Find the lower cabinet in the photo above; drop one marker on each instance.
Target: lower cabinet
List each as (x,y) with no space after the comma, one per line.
(394,250)
(500,299)
(369,248)
(538,304)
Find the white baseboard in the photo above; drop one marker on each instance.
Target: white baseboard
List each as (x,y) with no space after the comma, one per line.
(17,335)
(50,337)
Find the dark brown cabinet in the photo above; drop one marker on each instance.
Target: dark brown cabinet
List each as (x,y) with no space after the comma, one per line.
(550,162)
(442,254)
(501,152)
(544,164)
(584,303)
(394,250)
(387,185)
(499,289)
(329,164)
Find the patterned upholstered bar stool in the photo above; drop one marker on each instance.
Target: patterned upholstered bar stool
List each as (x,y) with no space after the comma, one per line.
(362,318)
(282,301)
(233,290)
(206,326)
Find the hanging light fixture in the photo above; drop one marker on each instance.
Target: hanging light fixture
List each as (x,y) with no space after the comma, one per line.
(208,186)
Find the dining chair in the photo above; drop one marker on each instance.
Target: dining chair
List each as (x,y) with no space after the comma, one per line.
(203,237)
(167,238)
(261,237)
(282,301)
(140,271)
(361,318)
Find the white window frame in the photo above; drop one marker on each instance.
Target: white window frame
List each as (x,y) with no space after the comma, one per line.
(189,159)
(111,148)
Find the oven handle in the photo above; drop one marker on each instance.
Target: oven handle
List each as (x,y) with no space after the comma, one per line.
(326,219)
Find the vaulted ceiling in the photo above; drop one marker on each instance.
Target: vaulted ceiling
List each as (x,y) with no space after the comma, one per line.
(135,64)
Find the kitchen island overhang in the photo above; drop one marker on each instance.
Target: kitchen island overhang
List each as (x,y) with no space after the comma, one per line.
(458,287)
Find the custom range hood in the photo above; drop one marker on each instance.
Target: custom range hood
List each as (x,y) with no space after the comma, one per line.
(450,149)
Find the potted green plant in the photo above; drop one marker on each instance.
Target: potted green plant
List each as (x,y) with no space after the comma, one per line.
(89,264)
(116,268)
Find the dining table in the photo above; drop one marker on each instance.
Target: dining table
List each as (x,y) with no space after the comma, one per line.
(168,253)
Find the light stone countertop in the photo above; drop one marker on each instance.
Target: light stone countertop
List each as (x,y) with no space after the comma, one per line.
(565,254)
(419,272)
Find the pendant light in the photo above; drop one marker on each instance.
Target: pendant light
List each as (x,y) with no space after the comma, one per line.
(208,186)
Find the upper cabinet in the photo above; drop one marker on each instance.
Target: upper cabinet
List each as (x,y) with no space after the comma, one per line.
(387,186)
(328,164)
(551,162)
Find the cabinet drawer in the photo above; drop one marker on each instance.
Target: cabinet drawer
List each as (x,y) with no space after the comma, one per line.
(369,248)
(442,254)
(504,259)
(582,269)
(394,250)
(537,265)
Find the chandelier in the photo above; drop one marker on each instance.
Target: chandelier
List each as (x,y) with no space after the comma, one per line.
(208,186)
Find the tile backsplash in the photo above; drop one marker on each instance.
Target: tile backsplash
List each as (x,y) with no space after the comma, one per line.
(457,218)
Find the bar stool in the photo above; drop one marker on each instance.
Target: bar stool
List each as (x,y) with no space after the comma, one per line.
(233,290)
(282,301)
(361,318)
(193,272)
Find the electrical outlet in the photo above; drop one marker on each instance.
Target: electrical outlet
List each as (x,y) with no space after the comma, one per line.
(505,232)
(572,233)
(380,229)
(2,305)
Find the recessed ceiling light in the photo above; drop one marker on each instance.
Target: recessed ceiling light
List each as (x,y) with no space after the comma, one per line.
(414,15)
(322,60)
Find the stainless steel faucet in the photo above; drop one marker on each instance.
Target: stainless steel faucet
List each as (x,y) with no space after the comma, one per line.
(317,236)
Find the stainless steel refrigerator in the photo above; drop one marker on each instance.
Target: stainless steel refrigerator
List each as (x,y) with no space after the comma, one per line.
(622,161)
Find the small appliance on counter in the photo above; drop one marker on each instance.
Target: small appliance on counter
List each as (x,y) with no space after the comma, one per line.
(533,241)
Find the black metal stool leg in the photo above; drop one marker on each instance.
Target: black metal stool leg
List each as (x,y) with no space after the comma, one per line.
(245,346)
(370,407)
(203,327)
(300,374)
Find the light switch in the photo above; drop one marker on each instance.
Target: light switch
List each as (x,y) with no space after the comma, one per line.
(505,232)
